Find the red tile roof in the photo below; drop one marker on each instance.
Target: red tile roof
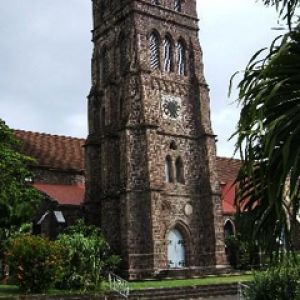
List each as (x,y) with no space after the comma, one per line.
(53,151)
(67,153)
(228,198)
(63,194)
(227,169)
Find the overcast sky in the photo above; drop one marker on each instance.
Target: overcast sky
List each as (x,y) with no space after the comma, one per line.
(45,54)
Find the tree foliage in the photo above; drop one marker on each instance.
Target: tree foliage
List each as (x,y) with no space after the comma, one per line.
(285,8)
(18,201)
(87,257)
(269,135)
(280,282)
(36,263)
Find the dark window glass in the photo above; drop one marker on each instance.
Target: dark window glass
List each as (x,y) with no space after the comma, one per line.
(168,169)
(179,170)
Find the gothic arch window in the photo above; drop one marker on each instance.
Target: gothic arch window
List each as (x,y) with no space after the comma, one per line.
(104,65)
(179,170)
(168,169)
(154,45)
(181,58)
(168,54)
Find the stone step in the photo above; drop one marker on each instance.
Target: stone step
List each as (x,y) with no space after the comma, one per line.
(193,292)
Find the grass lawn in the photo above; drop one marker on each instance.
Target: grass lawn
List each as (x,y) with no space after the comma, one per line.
(8,290)
(190,282)
(12,290)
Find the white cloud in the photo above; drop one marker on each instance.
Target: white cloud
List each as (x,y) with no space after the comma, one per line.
(76,124)
(224,123)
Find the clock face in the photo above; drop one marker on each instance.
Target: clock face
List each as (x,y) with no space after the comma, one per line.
(171,107)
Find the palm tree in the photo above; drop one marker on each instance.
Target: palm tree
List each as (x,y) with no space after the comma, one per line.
(268,135)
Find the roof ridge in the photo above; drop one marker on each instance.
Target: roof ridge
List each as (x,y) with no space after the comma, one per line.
(228,158)
(48,134)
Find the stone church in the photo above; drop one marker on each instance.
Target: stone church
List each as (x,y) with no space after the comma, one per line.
(147,174)
(151,181)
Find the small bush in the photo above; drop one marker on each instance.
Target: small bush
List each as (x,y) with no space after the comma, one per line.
(86,258)
(280,283)
(35,262)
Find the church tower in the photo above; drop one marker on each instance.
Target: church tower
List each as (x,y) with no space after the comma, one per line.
(150,153)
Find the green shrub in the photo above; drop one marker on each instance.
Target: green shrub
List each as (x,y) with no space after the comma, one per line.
(35,262)
(87,257)
(280,283)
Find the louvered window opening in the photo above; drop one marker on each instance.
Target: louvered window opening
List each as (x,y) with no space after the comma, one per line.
(167,55)
(154,52)
(177,5)
(181,58)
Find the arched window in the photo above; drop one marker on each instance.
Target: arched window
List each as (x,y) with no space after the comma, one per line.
(168,169)
(179,170)
(104,65)
(181,58)
(168,55)
(155,2)
(177,5)
(154,51)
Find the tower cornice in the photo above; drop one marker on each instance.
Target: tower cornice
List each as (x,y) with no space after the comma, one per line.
(154,11)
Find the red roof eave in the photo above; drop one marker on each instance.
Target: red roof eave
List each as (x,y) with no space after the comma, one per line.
(63,194)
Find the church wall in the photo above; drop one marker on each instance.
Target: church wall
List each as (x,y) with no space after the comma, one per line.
(41,175)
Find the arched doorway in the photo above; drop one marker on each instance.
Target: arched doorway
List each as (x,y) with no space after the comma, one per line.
(228,229)
(176,249)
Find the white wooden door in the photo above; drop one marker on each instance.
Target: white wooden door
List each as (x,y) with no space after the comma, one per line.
(176,249)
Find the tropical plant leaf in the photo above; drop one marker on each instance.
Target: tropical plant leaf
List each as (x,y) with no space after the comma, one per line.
(268,137)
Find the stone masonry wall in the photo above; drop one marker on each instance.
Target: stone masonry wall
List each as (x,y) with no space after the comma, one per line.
(57,177)
(129,140)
